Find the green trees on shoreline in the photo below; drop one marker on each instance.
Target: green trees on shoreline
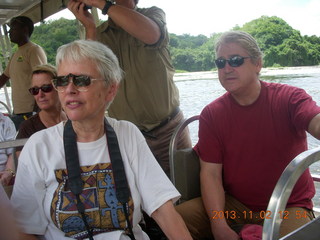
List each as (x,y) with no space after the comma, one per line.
(282,45)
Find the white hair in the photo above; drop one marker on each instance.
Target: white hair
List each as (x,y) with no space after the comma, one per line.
(107,63)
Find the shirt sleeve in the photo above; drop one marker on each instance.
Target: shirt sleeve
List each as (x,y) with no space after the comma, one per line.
(302,108)
(29,192)
(156,189)
(37,56)
(209,146)
(159,17)
(153,185)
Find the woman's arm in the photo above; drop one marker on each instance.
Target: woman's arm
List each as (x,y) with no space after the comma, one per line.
(9,172)
(171,222)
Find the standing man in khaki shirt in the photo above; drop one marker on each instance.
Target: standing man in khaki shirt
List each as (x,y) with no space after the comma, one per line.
(20,66)
(147,96)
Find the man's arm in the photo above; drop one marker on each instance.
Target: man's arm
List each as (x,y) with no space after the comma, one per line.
(314,126)
(134,23)
(171,222)
(213,197)
(85,17)
(3,79)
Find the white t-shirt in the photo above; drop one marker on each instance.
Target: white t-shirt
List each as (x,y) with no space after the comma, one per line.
(39,198)
(7,132)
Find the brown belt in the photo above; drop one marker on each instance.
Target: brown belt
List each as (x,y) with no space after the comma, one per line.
(168,119)
(162,123)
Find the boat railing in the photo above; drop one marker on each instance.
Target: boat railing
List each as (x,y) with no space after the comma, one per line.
(14,144)
(9,112)
(281,194)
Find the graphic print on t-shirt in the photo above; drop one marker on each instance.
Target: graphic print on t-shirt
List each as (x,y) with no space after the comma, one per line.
(103,211)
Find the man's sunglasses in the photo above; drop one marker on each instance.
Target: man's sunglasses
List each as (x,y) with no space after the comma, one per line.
(44,88)
(81,82)
(235,61)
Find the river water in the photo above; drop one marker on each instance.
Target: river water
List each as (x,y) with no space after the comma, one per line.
(200,88)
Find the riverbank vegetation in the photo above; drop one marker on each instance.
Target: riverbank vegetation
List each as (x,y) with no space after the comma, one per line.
(282,45)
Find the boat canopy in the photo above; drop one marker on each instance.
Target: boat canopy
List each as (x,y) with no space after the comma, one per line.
(37,10)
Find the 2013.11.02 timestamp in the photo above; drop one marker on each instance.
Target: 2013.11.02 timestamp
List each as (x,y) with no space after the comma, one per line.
(257,215)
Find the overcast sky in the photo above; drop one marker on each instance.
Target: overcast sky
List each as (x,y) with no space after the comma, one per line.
(209,16)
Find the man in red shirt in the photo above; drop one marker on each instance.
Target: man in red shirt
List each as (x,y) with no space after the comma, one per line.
(246,139)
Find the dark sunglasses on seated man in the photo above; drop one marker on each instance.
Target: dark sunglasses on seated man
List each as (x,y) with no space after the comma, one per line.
(235,61)
(44,88)
(81,82)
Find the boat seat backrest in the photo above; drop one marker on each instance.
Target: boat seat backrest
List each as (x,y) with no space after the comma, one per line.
(184,165)
(187,173)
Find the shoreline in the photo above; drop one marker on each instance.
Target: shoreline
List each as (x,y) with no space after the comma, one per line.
(263,70)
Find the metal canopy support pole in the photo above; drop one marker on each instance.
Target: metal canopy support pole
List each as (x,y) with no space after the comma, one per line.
(6,52)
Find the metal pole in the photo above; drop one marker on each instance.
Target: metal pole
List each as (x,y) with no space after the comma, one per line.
(6,51)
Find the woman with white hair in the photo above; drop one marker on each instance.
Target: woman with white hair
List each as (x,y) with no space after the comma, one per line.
(89,177)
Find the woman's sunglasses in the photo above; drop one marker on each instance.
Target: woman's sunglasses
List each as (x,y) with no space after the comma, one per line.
(81,82)
(44,88)
(235,61)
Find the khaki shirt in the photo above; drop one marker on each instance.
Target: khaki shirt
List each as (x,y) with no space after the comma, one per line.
(147,94)
(19,69)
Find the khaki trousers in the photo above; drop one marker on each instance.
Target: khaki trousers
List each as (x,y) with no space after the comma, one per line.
(159,141)
(237,215)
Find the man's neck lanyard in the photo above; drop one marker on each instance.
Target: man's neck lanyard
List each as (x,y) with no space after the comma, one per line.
(74,173)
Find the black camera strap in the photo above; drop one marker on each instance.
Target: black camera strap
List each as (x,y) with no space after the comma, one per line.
(74,173)
(120,179)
